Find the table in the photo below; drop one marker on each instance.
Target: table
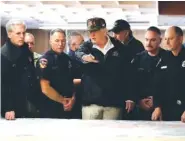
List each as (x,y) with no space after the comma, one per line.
(90,130)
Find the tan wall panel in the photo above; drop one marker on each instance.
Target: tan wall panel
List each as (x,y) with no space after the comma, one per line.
(41,39)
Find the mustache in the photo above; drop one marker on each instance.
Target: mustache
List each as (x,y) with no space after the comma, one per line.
(149,46)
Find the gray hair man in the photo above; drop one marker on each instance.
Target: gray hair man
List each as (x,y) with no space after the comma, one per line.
(17,72)
(30,40)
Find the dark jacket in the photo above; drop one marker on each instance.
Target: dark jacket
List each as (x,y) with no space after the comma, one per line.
(134,46)
(18,79)
(76,64)
(144,67)
(169,85)
(105,83)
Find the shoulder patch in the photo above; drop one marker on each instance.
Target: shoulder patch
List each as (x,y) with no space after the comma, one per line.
(43,62)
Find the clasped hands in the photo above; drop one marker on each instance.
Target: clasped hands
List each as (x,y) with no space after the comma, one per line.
(68,103)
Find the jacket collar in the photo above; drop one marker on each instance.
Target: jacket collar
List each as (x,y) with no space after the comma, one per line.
(181,53)
(12,52)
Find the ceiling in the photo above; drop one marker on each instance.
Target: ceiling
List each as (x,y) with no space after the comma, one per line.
(73,14)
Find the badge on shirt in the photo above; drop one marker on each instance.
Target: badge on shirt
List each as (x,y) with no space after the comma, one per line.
(183,64)
(43,63)
(29,58)
(69,65)
(179,102)
(163,67)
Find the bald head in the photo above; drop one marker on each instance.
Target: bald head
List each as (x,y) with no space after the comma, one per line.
(30,40)
(173,38)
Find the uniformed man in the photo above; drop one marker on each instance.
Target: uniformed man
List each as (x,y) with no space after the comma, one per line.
(122,32)
(30,40)
(55,71)
(169,100)
(105,74)
(144,65)
(18,79)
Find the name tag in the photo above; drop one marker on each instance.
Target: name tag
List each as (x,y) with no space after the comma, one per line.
(163,67)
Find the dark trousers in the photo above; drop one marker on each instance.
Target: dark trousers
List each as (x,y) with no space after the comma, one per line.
(133,115)
(172,113)
(55,114)
(144,115)
(76,112)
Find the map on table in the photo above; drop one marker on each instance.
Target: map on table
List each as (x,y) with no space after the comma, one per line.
(91,128)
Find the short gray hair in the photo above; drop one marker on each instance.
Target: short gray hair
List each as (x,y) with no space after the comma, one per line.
(75,33)
(29,34)
(57,30)
(14,22)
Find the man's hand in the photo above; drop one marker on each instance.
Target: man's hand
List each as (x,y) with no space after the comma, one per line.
(89,58)
(129,105)
(146,104)
(183,117)
(157,114)
(150,102)
(10,115)
(64,100)
(69,104)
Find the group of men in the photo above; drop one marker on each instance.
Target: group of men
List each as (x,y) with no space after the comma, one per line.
(104,77)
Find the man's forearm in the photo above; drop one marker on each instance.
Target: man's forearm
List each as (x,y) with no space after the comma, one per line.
(52,94)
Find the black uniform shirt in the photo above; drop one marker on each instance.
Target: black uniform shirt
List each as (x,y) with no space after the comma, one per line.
(144,67)
(170,79)
(57,69)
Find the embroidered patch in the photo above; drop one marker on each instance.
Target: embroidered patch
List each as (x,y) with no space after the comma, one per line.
(115,53)
(43,63)
(179,102)
(14,65)
(183,64)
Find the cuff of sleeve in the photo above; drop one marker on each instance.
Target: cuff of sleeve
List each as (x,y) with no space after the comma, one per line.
(84,62)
